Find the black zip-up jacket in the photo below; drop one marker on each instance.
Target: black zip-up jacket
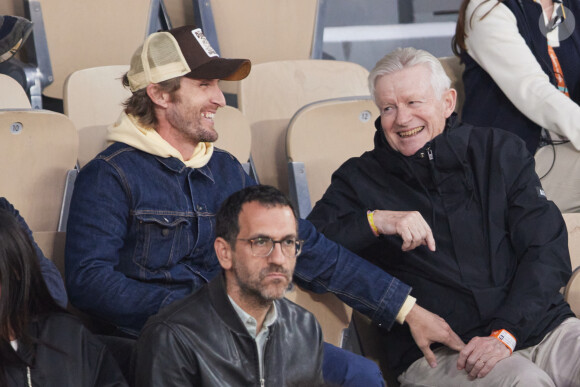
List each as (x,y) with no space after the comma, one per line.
(201,341)
(65,354)
(502,247)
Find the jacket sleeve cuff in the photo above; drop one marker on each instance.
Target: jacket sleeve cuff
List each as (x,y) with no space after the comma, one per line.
(405,309)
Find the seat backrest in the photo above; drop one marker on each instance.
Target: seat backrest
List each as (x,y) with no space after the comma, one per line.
(263,31)
(332,314)
(454,69)
(274,91)
(573,225)
(12,95)
(37,149)
(93,100)
(234,132)
(83,34)
(323,135)
(52,245)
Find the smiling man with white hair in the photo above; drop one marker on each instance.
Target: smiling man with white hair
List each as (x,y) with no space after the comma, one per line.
(457,212)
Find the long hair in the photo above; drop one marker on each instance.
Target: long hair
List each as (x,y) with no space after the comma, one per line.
(23,292)
(140,105)
(458,41)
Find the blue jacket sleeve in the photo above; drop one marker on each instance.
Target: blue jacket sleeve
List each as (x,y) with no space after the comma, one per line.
(96,231)
(50,273)
(325,266)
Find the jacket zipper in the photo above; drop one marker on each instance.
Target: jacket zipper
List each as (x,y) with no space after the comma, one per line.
(430,154)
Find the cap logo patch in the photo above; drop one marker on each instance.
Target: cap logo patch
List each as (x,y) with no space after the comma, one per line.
(203,42)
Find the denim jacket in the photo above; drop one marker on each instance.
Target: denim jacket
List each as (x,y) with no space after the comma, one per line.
(141,231)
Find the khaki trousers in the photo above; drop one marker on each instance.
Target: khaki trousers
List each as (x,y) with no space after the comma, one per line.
(555,361)
(562,182)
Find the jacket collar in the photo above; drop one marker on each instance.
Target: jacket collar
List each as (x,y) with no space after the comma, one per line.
(448,146)
(220,301)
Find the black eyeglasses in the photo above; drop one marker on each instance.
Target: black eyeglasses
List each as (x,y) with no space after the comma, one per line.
(263,246)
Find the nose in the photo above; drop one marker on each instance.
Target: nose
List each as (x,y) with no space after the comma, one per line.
(277,256)
(403,116)
(217,97)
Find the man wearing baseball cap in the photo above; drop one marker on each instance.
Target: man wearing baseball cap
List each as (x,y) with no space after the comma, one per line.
(141,226)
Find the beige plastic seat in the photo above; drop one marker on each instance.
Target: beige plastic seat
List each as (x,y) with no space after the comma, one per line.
(37,149)
(71,35)
(573,225)
(332,314)
(12,95)
(93,100)
(572,291)
(262,31)
(454,69)
(274,91)
(235,136)
(52,245)
(320,138)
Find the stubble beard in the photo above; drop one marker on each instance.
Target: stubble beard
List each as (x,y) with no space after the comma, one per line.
(253,291)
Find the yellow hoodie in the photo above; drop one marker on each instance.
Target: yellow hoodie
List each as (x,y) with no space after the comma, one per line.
(128,131)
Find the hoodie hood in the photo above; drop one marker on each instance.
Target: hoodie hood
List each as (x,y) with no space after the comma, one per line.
(129,131)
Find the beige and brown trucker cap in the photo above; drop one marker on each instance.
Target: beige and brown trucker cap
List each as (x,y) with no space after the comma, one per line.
(182,51)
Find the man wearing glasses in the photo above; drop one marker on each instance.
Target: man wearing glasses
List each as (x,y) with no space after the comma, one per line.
(256,336)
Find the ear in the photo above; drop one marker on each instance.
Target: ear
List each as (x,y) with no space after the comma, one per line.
(449,100)
(158,96)
(223,251)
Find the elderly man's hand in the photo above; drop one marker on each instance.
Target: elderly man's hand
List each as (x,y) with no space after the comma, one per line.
(480,355)
(428,328)
(409,225)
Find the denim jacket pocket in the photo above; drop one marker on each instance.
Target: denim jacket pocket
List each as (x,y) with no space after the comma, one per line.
(162,240)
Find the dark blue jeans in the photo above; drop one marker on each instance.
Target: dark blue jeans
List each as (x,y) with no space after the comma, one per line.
(343,368)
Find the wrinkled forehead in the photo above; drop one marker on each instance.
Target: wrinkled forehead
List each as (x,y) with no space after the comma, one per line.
(411,82)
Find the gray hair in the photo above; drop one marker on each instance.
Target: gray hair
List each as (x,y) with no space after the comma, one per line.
(403,58)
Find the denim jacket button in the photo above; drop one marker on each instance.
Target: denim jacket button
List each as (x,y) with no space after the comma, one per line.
(165,232)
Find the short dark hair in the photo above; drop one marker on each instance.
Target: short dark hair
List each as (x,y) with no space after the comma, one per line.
(140,105)
(24,294)
(227,218)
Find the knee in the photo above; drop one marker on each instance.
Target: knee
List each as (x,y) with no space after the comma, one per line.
(343,368)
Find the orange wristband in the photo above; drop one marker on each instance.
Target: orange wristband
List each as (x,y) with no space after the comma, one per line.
(506,338)
(371,219)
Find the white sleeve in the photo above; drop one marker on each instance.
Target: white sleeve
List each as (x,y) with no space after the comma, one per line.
(495,43)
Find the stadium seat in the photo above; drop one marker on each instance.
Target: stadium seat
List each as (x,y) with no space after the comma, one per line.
(235,136)
(572,291)
(12,95)
(38,148)
(274,91)
(93,100)
(332,314)
(320,137)
(69,36)
(262,31)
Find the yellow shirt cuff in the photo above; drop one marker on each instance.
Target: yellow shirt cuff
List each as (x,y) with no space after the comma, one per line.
(405,309)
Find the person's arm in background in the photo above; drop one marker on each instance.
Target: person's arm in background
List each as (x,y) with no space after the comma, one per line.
(50,273)
(495,43)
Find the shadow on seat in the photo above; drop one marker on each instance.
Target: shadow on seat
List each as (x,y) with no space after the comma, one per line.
(320,137)
(274,91)
(93,99)
(38,148)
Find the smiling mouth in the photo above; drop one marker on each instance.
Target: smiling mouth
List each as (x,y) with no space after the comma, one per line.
(411,132)
(208,115)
